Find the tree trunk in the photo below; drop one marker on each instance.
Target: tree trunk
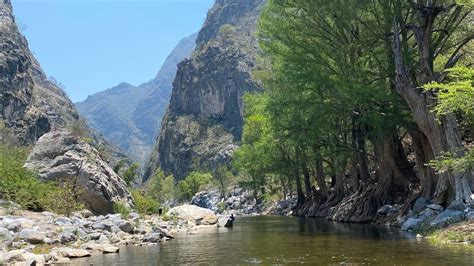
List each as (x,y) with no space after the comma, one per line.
(423,155)
(442,135)
(361,170)
(299,190)
(392,182)
(320,175)
(301,157)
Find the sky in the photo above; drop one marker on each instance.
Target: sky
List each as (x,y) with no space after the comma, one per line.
(92,45)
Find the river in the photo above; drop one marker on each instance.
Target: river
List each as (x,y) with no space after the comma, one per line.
(290,240)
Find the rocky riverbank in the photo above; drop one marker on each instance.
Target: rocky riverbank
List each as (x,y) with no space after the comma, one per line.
(35,238)
(241,203)
(423,217)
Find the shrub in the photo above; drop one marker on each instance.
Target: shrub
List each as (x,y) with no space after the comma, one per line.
(21,186)
(191,185)
(17,184)
(144,204)
(120,207)
(160,187)
(63,198)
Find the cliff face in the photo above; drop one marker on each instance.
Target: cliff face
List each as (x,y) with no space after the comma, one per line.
(32,106)
(129,116)
(203,123)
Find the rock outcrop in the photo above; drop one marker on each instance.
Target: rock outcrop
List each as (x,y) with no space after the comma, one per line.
(203,123)
(36,110)
(58,155)
(31,105)
(129,116)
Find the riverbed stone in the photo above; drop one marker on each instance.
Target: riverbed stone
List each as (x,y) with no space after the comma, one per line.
(110,249)
(13,256)
(135,217)
(67,237)
(5,235)
(125,226)
(94,236)
(412,224)
(153,237)
(31,236)
(448,216)
(435,207)
(193,214)
(102,226)
(72,252)
(469,215)
(13,225)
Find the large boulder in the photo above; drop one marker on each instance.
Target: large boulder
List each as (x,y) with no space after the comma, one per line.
(206,199)
(60,154)
(194,214)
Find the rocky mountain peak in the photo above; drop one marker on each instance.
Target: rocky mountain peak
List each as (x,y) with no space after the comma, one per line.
(204,121)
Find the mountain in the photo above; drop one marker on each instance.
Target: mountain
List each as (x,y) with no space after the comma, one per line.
(129,116)
(35,111)
(203,123)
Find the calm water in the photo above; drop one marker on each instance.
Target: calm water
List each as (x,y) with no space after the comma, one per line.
(289,240)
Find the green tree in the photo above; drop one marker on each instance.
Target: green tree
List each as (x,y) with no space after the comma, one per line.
(131,174)
(192,184)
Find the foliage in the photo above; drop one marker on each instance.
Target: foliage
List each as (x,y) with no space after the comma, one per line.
(131,174)
(120,207)
(18,184)
(457,94)
(119,165)
(192,184)
(160,187)
(21,186)
(144,204)
(64,199)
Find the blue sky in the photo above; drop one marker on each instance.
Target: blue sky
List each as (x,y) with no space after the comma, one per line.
(92,45)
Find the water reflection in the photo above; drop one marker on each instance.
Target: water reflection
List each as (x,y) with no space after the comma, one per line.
(282,240)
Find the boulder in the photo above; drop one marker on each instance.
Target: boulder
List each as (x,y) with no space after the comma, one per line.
(194,214)
(5,235)
(154,237)
(60,154)
(13,225)
(12,257)
(449,216)
(31,236)
(135,217)
(470,215)
(435,207)
(420,204)
(72,252)
(387,209)
(412,224)
(206,199)
(110,249)
(8,207)
(67,237)
(125,226)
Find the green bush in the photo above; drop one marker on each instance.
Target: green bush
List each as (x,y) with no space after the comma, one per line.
(18,184)
(63,198)
(192,184)
(160,187)
(120,207)
(144,204)
(21,186)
